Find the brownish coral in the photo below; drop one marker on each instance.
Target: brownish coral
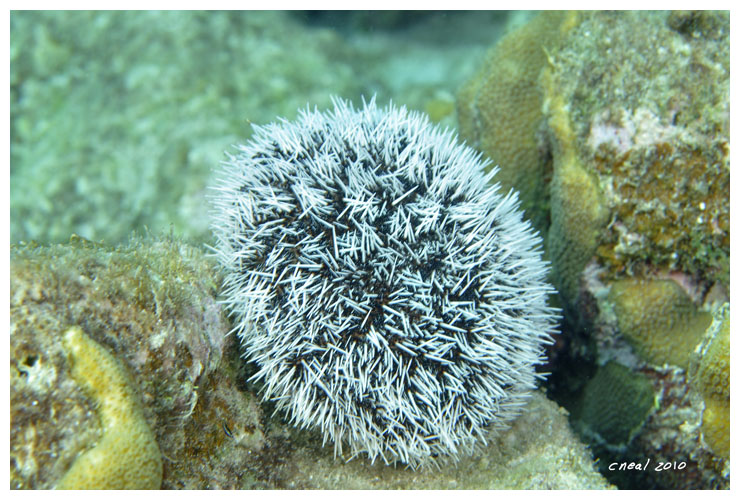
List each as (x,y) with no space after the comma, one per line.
(638,138)
(672,210)
(637,108)
(500,108)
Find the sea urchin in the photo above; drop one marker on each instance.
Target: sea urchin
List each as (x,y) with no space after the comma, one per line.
(388,295)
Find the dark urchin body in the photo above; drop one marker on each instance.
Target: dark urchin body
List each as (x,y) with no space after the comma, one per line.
(388,294)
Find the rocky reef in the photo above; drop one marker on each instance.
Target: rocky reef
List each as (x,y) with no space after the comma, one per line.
(613,127)
(106,346)
(626,129)
(141,319)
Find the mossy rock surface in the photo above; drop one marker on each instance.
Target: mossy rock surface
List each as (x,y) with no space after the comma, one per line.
(152,305)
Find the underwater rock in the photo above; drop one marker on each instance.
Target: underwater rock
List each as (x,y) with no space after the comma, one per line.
(648,111)
(151,305)
(539,451)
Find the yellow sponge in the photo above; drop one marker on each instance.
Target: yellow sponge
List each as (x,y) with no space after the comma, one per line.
(127,456)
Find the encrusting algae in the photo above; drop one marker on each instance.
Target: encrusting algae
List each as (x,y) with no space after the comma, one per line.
(127,456)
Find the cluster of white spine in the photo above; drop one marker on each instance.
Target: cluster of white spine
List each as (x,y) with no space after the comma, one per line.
(388,294)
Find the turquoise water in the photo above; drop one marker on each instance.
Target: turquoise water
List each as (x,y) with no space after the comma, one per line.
(118,118)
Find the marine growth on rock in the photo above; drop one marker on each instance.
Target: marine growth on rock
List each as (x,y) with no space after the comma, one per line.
(127,456)
(388,294)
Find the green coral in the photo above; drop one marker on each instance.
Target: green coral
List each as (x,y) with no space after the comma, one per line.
(500,108)
(615,405)
(578,208)
(658,319)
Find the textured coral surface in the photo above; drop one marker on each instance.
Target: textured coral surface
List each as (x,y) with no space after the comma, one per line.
(615,404)
(634,133)
(659,320)
(712,379)
(500,109)
(639,103)
(127,455)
